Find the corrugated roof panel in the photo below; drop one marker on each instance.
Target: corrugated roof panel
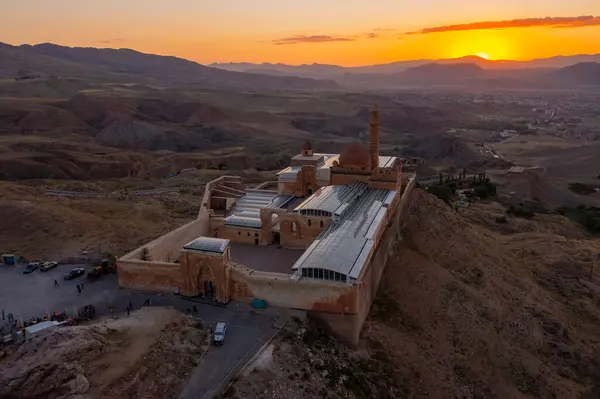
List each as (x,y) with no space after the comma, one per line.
(330,198)
(240,221)
(390,198)
(340,247)
(374,226)
(280,201)
(362,259)
(208,244)
(386,161)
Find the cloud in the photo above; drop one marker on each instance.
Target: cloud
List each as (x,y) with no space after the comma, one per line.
(113,41)
(372,35)
(312,39)
(553,22)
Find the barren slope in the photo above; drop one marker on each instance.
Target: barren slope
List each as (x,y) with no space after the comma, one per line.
(148,355)
(463,312)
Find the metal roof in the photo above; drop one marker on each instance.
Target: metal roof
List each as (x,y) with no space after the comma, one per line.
(246,210)
(332,199)
(208,244)
(39,327)
(386,162)
(347,244)
(290,173)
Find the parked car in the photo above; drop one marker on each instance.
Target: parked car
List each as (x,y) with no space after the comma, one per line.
(48,265)
(76,272)
(219,335)
(31,267)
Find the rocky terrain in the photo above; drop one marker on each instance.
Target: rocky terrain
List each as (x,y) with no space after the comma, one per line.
(146,355)
(469,308)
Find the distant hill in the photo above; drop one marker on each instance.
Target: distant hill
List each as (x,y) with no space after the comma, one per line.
(130,65)
(585,74)
(440,73)
(329,71)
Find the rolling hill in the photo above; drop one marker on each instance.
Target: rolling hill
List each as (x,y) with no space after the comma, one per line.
(125,65)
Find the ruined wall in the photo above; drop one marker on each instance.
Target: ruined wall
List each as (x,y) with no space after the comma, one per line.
(298,232)
(238,235)
(149,276)
(230,181)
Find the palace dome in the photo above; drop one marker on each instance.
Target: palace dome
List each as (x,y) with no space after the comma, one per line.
(355,155)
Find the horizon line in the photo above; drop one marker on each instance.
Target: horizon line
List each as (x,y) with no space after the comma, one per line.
(309,64)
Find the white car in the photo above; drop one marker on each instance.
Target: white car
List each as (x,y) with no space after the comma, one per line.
(48,265)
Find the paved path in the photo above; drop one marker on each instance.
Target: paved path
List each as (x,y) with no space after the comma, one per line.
(247,332)
(33,295)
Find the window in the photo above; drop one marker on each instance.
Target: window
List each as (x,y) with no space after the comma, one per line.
(308,222)
(239,233)
(321,224)
(255,234)
(248,234)
(294,227)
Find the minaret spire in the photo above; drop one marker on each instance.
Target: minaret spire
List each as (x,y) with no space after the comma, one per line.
(374,137)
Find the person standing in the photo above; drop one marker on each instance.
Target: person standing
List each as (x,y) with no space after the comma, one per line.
(56,283)
(81,286)
(130,307)
(78,290)
(2,314)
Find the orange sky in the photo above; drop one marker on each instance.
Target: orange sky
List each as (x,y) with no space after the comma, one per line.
(343,32)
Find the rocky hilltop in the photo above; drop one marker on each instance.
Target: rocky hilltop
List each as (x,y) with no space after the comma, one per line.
(469,308)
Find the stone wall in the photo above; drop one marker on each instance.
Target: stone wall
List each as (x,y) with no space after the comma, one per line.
(280,290)
(149,276)
(168,247)
(238,235)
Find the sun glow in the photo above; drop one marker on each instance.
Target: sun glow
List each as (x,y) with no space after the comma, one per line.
(485,56)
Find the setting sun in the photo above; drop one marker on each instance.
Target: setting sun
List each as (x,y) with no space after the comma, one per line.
(485,56)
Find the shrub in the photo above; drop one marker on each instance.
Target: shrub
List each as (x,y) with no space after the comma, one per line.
(520,211)
(441,191)
(581,189)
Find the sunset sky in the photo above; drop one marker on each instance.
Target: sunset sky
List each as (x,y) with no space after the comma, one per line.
(343,32)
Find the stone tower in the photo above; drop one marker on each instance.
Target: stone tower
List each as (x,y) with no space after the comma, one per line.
(374,137)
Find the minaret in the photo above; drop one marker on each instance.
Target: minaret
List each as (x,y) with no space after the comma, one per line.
(374,137)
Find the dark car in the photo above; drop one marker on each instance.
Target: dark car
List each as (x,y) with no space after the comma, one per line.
(78,271)
(31,267)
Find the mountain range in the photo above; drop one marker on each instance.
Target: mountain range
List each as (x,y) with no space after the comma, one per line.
(126,65)
(130,66)
(329,71)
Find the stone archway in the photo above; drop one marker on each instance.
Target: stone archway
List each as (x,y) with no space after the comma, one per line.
(271,224)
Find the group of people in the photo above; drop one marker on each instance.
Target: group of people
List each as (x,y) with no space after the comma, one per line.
(8,316)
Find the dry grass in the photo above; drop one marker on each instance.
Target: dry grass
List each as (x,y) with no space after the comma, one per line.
(53,228)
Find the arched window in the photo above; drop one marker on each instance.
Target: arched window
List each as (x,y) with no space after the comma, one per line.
(309,222)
